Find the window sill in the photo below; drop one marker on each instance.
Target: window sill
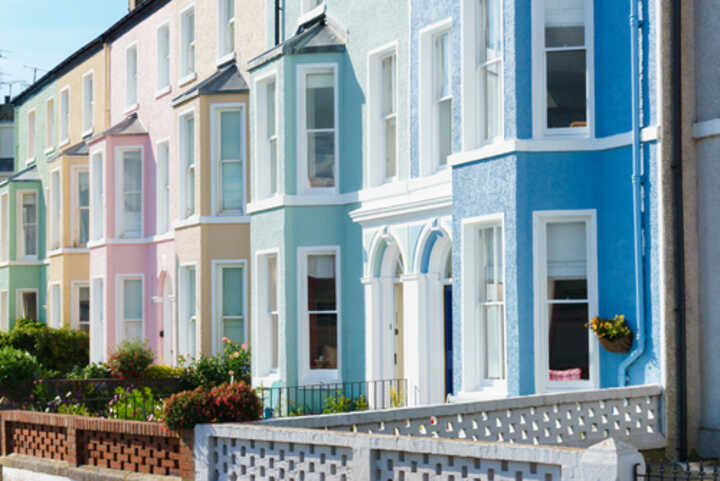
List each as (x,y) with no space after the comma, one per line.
(482,394)
(30,161)
(63,143)
(49,150)
(268,380)
(320,377)
(88,132)
(225,59)
(162,92)
(131,108)
(187,79)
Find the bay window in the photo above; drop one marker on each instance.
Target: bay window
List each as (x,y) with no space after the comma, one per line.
(88,103)
(318,127)
(230,303)
(29,228)
(132,308)
(187,43)
(98,196)
(163,187)
(226,27)
(131,77)
(82,216)
(131,194)
(187,163)
(230,166)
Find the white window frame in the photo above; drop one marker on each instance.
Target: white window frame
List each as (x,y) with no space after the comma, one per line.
(51,114)
(64,124)
(305,374)
(481,388)
(183,170)
(132,95)
(53,319)
(470,85)
(375,147)
(184,317)
(21,247)
(429,162)
(55,203)
(541,323)
(262,171)
(88,111)
(32,136)
(216,192)
(20,306)
(97,202)
(162,65)
(187,74)
(98,320)
(5,227)
(226,24)
(162,192)
(303,184)
(262,341)
(75,196)
(310,5)
(217,300)
(120,305)
(4,310)
(119,203)
(76,286)
(539,76)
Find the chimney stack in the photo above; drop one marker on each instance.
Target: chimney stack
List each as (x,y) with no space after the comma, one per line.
(7,99)
(132,4)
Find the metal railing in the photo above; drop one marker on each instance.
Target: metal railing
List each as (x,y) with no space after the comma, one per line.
(688,471)
(290,401)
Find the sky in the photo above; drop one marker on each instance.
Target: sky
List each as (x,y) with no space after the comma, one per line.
(42,33)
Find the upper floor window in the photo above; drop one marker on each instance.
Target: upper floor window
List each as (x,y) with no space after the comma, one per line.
(55,210)
(98,196)
(163,187)
(382,111)
(7,141)
(51,124)
(187,165)
(563,34)
(131,80)
(308,5)
(65,116)
(31,136)
(267,162)
(187,43)
(442,97)
(163,58)
(229,170)
(4,228)
(226,27)
(318,127)
(82,201)
(131,194)
(29,229)
(88,103)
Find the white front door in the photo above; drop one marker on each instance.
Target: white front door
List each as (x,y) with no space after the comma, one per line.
(168,331)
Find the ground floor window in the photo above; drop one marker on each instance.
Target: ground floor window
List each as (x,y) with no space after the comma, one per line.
(230,297)
(82,307)
(188,311)
(55,306)
(132,308)
(268,314)
(4,314)
(321,295)
(97,329)
(27,304)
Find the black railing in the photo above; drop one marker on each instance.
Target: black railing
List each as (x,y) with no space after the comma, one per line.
(136,399)
(689,471)
(284,401)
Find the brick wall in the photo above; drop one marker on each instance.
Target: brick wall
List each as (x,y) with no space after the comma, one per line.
(132,446)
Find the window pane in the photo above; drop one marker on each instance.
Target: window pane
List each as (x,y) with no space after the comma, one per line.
(232,184)
(55,306)
(494,342)
(491,265)
(132,175)
(323,341)
(321,283)
(568,342)
(388,85)
(133,299)
(84,226)
(29,300)
(443,70)
(29,211)
(191,290)
(272,283)
(84,189)
(270,109)
(84,308)
(573,289)
(320,100)
(489,27)
(444,125)
(566,90)
(232,294)
(564,23)
(273,166)
(234,329)
(321,159)
(231,135)
(566,250)
(390,147)
(490,95)
(133,330)
(189,140)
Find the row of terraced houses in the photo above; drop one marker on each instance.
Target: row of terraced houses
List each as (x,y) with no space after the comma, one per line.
(443,191)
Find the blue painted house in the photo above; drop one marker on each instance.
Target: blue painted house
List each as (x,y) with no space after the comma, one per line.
(446,191)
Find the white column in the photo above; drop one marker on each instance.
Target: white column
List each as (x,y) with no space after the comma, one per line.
(373,340)
(435,349)
(415,338)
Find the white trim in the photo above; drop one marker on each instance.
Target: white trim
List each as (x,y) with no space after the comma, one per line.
(95,329)
(120,334)
(263,373)
(183,117)
(20,240)
(183,315)
(51,139)
(158,188)
(56,218)
(66,251)
(305,374)
(648,134)
(217,299)
(190,75)
(75,305)
(64,140)
(119,203)
(95,209)
(89,130)
(222,25)
(19,304)
(32,132)
(307,15)
(539,76)
(303,185)
(75,172)
(540,324)
(130,106)
(261,178)
(216,194)
(706,128)
(161,90)
(485,388)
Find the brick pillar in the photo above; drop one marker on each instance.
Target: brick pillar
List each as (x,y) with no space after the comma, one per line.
(187,464)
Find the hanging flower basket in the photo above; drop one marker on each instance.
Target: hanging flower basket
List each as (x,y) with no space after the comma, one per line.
(620,345)
(614,334)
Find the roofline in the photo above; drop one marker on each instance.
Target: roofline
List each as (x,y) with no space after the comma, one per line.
(130,19)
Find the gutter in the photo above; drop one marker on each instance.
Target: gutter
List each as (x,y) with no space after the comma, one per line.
(637,184)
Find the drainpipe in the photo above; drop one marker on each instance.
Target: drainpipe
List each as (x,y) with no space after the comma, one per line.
(278,9)
(637,184)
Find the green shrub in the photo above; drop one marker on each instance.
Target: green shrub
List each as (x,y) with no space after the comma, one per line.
(233,364)
(18,370)
(57,349)
(343,404)
(235,402)
(135,404)
(131,359)
(162,371)
(96,370)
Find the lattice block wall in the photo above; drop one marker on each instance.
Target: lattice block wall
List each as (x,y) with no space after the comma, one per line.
(402,466)
(38,440)
(241,459)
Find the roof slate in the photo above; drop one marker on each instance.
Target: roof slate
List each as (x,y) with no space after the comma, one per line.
(227,79)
